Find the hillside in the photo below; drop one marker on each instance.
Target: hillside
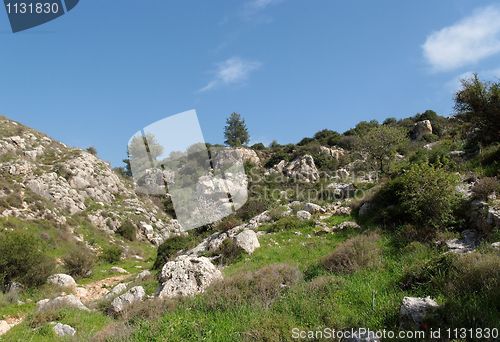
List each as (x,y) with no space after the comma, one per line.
(386,226)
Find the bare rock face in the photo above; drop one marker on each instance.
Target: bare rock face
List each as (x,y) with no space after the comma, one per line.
(247,240)
(234,155)
(53,181)
(415,311)
(186,276)
(62,301)
(421,128)
(120,303)
(62,280)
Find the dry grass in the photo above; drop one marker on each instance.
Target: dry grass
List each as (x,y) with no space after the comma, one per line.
(354,254)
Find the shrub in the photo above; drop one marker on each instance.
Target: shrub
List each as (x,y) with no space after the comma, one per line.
(227,223)
(258,146)
(23,259)
(356,253)
(79,261)
(426,196)
(251,208)
(128,231)
(485,187)
(92,150)
(169,249)
(289,223)
(259,288)
(111,254)
(229,252)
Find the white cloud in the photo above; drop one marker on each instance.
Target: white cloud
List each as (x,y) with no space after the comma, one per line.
(465,42)
(253,7)
(232,71)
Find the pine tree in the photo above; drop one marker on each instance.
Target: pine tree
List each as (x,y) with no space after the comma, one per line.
(236,132)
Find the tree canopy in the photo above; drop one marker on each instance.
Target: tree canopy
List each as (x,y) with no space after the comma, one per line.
(236,132)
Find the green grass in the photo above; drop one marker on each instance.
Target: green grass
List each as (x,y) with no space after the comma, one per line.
(85,323)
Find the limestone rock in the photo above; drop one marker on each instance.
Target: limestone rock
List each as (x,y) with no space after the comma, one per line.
(415,311)
(304,215)
(421,128)
(62,301)
(247,240)
(186,276)
(120,303)
(62,280)
(62,330)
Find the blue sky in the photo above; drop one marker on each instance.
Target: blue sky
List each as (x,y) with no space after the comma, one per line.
(108,68)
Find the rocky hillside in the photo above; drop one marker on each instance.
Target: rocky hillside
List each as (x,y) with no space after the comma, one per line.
(45,179)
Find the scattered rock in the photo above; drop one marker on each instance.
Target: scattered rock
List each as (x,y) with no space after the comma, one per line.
(187,275)
(134,295)
(143,275)
(304,215)
(116,291)
(117,269)
(4,327)
(62,280)
(247,240)
(466,244)
(62,301)
(314,208)
(347,225)
(415,311)
(496,245)
(62,330)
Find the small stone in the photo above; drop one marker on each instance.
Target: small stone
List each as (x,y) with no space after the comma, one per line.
(62,330)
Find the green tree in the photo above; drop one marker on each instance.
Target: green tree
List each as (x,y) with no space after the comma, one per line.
(478,103)
(381,143)
(236,132)
(142,150)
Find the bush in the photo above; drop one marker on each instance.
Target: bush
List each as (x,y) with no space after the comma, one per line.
(23,259)
(486,186)
(258,146)
(128,231)
(252,208)
(289,223)
(229,252)
(92,150)
(79,261)
(354,254)
(426,196)
(111,254)
(169,249)
(227,223)
(260,288)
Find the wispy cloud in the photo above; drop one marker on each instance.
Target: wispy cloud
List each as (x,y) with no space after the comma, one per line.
(254,7)
(230,72)
(465,42)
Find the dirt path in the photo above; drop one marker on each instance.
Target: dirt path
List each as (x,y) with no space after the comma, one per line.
(98,289)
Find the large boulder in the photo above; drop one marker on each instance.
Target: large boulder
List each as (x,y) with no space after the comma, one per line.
(247,240)
(415,311)
(120,303)
(421,128)
(187,275)
(62,301)
(62,280)
(116,291)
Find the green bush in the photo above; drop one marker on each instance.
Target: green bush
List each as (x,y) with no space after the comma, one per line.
(79,261)
(111,254)
(169,249)
(251,208)
(128,231)
(426,196)
(354,254)
(23,259)
(289,223)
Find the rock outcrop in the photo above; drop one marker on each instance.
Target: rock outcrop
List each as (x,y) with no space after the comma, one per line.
(421,128)
(62,280)
(62,301)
